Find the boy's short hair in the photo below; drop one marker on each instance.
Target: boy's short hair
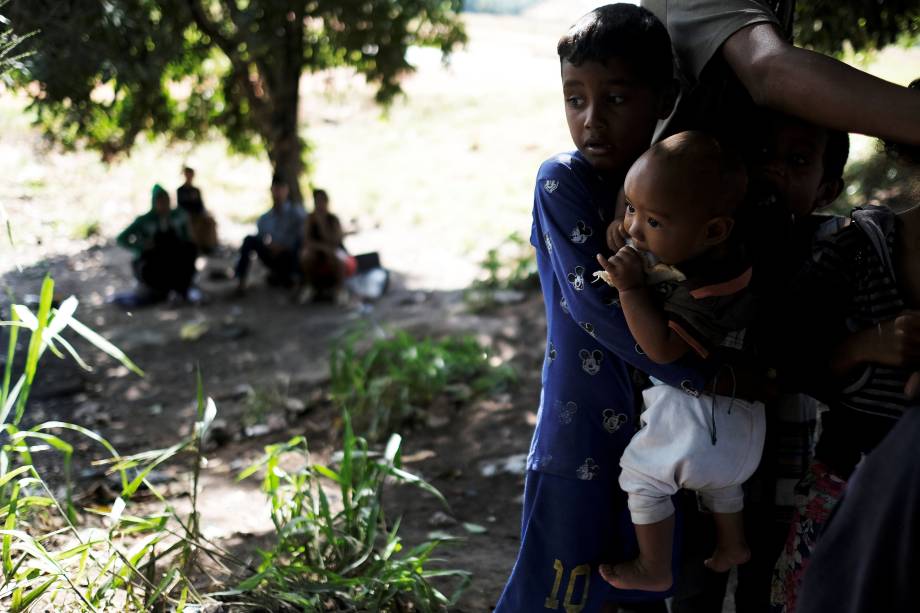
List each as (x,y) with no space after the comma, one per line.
(836,152)
(624,31)
(278,180)
(320,193)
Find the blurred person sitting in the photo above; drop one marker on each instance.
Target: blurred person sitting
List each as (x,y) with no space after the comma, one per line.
(277,240)
(202,226)
(324,263)
(164,256)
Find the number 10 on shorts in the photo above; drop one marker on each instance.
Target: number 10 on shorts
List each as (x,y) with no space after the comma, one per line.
(579,572)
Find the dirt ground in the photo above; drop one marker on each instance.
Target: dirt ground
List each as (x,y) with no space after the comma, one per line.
(265,360)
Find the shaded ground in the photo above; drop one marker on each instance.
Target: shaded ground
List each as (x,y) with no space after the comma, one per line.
(265,362)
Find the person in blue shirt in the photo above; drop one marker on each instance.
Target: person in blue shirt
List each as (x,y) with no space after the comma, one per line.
(617,82)
(279,234)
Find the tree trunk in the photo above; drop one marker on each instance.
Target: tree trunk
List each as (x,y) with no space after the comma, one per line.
(281,70)
(284,151)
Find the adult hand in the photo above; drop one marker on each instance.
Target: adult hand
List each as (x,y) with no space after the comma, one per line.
(912,388)
(624,268)
(616,235)
(896,342)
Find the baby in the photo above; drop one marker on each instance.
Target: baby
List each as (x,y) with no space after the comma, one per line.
(680,199)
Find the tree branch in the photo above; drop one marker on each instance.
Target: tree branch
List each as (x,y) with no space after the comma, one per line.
(227,45)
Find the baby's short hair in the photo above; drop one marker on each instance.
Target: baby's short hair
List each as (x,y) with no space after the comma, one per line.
(705,163)
(621,31)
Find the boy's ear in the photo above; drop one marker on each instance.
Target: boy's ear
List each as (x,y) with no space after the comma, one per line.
(828,192)
(667,97)
(718,229)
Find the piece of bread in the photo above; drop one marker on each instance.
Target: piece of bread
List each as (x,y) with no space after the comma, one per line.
(655,271)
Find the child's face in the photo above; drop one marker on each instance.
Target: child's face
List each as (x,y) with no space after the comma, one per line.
(659,220)
(789,164)
(611,114)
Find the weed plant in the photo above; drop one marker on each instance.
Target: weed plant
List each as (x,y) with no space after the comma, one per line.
(389,385)
(510,267)
(339,553)
(330,556)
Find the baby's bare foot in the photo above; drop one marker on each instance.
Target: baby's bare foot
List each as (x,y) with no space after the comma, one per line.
(723,558)
(636,576)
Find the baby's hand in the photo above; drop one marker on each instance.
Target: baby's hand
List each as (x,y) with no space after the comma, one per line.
(616,235)
(624,269)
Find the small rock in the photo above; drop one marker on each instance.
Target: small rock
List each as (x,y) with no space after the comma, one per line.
(194,330)
(256,430)
(295,405)
(440,519)
(513,465)
(275,422)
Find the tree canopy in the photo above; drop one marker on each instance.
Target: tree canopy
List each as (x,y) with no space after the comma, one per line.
(826,25)
(105,72)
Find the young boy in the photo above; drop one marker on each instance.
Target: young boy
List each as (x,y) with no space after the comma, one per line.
(680,197)
(617,82)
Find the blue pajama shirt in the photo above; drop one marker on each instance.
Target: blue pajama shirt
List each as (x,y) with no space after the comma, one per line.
(575,516)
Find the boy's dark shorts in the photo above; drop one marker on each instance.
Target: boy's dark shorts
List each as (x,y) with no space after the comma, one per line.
(569,527)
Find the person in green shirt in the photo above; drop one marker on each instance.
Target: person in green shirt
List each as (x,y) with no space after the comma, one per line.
(164,256)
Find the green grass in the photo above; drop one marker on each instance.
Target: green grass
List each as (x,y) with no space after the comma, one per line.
(390,384)
(332,553)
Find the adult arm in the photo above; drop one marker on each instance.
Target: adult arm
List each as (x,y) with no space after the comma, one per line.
(563,204)
(820,89)
(133,238)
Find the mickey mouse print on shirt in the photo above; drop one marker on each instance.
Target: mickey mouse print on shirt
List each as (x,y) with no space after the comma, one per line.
(591,361)
(566,411)
(580,233)
(613,420)
(588,471)
(577,278)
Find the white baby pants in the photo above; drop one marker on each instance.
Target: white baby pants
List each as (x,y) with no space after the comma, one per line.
(674,450)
